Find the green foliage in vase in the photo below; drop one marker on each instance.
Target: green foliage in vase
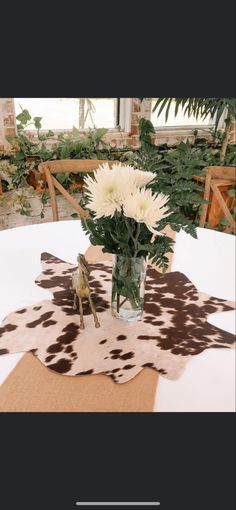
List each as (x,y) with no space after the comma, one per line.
(124,236)
(127,277)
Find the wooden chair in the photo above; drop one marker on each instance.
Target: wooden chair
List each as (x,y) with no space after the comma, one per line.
(217,177)
(67,166)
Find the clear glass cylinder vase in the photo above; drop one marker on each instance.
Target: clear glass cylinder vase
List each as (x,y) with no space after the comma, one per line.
(128,287)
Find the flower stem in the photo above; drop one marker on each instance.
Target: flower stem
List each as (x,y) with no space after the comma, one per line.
(118,303)
(129,229)
(136,240)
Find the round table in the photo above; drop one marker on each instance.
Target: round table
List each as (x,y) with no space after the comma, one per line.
(207,383)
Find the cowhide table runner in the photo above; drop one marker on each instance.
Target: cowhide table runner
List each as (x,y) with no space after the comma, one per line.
(174,326)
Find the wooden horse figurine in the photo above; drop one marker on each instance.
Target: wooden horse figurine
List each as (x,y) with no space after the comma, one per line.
(81,289)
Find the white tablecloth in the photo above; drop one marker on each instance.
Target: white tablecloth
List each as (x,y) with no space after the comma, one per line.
(208,381)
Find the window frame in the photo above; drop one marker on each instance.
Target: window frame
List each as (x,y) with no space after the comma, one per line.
(123,119)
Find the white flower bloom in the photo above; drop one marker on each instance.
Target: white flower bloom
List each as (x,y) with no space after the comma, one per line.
(109,189)
(140,178)
(145,207)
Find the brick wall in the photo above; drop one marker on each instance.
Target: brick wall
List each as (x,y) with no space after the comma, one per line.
(232,136)
(7,122)
(9,218)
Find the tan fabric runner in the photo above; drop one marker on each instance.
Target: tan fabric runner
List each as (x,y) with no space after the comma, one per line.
(32,387)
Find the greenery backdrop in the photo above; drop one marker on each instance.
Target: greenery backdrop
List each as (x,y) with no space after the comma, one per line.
(175,166)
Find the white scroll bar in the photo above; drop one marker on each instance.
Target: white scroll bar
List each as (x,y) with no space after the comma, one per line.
(118,503)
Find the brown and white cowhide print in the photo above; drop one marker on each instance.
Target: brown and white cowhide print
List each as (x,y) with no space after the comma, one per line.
(174,326)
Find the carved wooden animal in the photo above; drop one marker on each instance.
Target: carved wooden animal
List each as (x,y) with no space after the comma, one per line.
(81,289)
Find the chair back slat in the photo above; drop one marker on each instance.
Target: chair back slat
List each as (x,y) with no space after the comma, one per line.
(216,176)
(67,166)
(222,172)
(72,165)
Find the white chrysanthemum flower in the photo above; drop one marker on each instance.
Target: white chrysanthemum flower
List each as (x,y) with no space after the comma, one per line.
(145,207)
(107,190)
(140,177)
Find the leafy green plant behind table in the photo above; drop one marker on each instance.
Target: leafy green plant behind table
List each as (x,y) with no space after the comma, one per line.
(176,169)
(202,107)
(32,150)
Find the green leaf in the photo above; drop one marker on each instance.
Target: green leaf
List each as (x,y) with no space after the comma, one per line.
(99,133)
(19,156)
(224,222)
(75,132)
(50,133)
(61,177)
(37,122)
(24,117)
(231,192)
(45,197)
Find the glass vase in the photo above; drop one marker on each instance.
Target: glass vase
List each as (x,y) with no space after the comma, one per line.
(128,287)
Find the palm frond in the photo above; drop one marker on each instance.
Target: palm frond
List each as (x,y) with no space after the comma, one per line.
(199,107)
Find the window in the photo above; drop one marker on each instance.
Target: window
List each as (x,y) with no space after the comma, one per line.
(181,121)
(63,113)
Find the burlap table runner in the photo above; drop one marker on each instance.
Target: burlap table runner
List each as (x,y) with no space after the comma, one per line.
(32,387)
